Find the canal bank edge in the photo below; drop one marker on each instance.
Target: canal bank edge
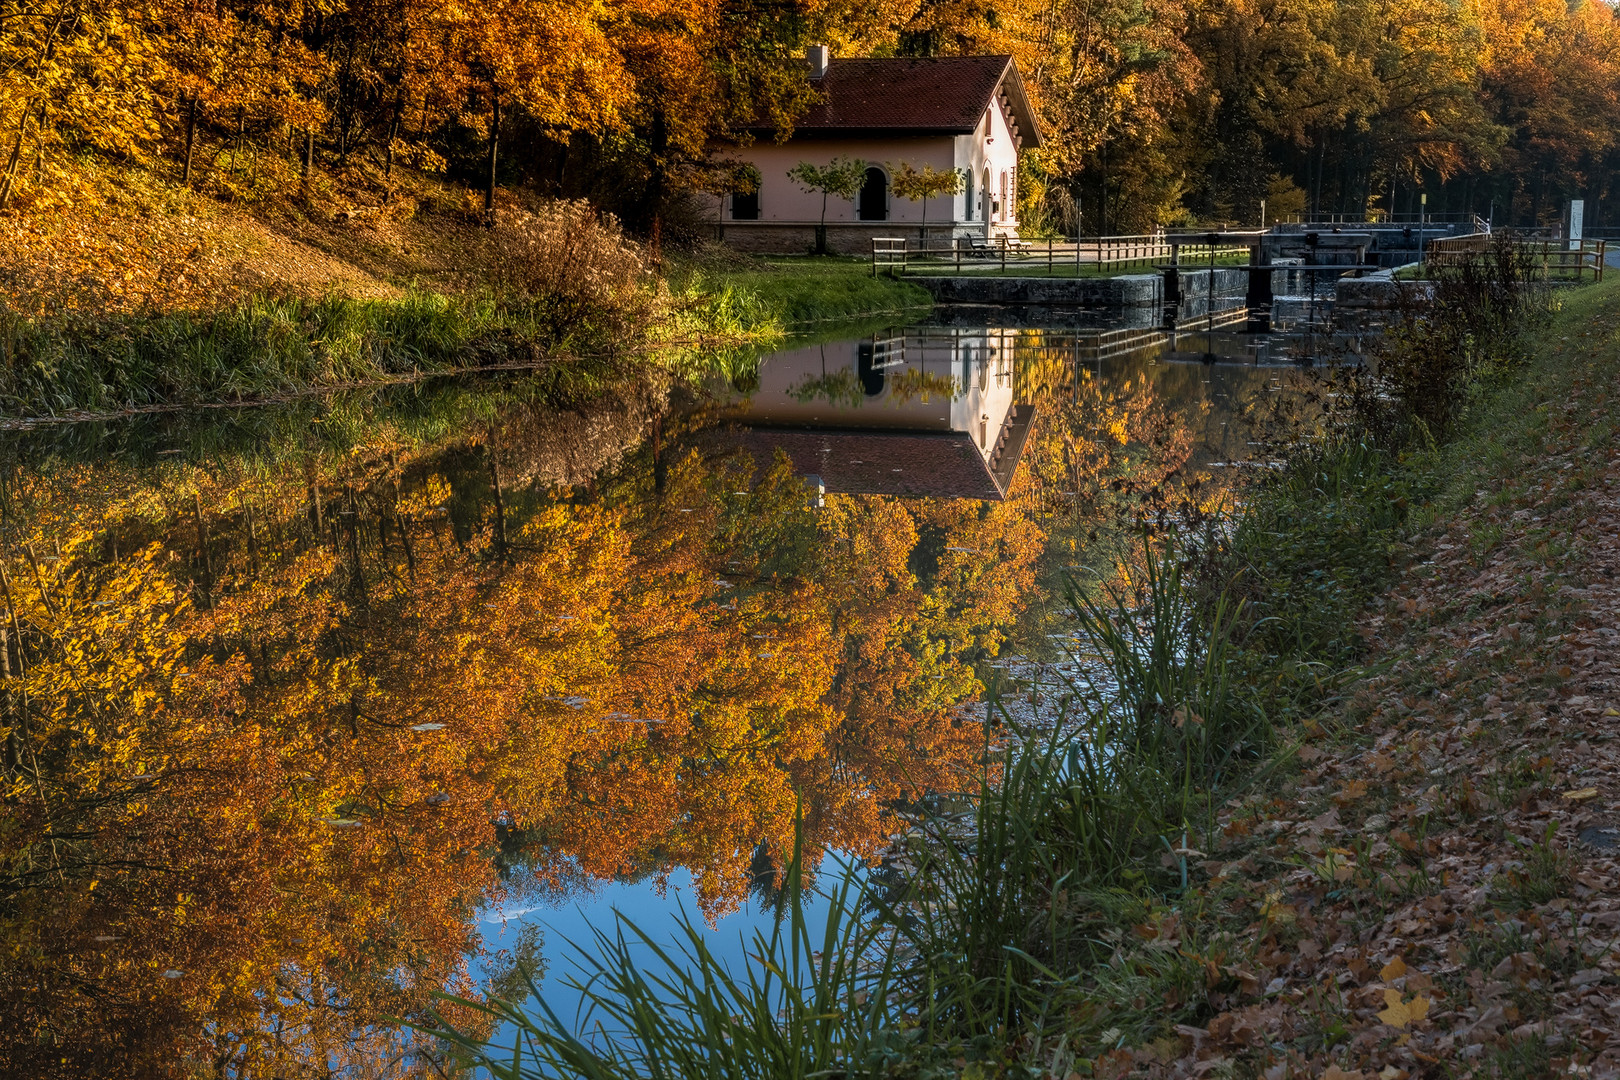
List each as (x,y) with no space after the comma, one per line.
(1429,883)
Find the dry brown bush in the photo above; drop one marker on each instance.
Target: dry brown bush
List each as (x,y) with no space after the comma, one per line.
(583,279)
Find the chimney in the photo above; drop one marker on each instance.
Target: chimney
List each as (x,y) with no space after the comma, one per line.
(819,57)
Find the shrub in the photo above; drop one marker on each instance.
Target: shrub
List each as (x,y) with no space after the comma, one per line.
(580,278)
(1467,331)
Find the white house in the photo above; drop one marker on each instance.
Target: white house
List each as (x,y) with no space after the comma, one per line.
(967,113)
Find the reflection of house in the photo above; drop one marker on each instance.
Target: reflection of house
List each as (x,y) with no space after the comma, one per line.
(928,412)
(967,113)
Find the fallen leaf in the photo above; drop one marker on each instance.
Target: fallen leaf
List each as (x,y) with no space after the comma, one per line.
(1582,794)
(1393,970)
(1351,791)
(1398,1013)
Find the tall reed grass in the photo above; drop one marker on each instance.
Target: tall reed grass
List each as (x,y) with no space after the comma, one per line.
(813,1001)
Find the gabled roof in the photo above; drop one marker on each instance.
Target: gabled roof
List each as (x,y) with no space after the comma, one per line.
(932,95)
(940,465)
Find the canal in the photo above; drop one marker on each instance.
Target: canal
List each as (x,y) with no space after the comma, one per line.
(316,709)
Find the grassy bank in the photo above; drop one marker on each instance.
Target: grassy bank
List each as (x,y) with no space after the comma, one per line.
(267,348)
(560,292)
(1236,854)
(801,291)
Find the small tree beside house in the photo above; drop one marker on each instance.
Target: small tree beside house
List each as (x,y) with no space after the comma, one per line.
(924,184)
(840,176)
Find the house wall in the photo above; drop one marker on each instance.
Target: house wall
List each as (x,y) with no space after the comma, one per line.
(788,215)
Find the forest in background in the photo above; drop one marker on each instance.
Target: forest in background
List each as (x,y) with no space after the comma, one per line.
(1157,112)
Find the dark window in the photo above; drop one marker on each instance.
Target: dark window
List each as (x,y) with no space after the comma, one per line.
(969,199)
(745,206)
(874,204)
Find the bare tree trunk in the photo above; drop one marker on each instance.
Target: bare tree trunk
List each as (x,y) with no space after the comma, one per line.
(204,557)
(393,134)
(241,122)
(500,501)
(191,136)
(494,150)
(316,515)
(46,52)
(309,152)
(11,164)
(8,184)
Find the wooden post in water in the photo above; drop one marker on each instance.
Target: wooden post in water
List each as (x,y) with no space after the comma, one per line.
(1209,314)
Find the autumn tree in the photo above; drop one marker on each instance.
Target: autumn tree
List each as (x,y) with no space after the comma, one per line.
(85,71)
(923,184)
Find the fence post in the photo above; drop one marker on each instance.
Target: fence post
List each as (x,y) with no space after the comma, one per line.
(1004,256)
(1048,256)
(874,257)
(956,242)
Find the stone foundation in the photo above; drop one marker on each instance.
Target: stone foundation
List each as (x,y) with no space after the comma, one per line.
(1124,291)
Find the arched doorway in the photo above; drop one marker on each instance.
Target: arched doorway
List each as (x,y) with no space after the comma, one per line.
(866,370)
(874,199)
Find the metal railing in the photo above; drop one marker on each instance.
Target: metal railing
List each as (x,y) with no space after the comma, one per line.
(1461,217)
(1067,258)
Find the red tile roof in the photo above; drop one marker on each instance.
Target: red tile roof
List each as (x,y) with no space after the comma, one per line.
(942,95)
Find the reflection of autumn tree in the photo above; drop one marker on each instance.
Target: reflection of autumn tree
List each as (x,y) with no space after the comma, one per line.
(840,387)
(914,383)
(158,868)
(261,731)
(1099,453)
(1103,458)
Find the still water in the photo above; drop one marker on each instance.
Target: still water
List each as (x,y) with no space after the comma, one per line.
(314,710)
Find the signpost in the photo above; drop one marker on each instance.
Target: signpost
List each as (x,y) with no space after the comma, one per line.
(1577,216)
(1423,212)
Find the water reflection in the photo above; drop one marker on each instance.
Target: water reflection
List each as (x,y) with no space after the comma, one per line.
(918,412)
(291,712)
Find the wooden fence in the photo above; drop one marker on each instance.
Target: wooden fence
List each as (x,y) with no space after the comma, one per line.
(1556,260)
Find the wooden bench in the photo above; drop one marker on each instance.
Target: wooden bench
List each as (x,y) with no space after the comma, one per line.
(995,245)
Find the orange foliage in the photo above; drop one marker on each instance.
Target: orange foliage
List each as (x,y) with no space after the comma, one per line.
(264,735)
